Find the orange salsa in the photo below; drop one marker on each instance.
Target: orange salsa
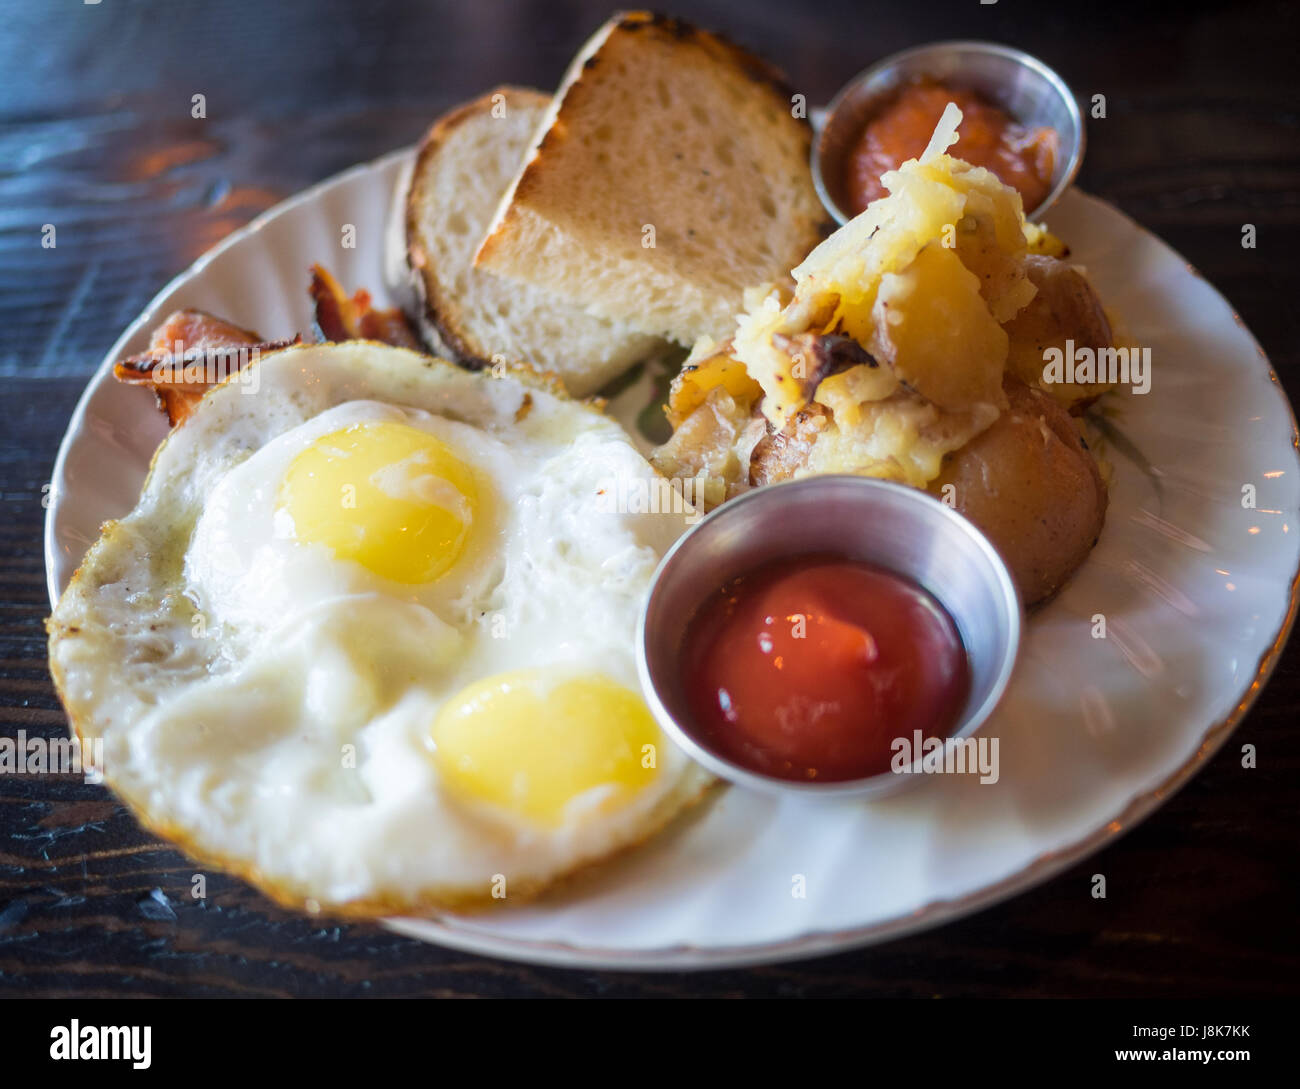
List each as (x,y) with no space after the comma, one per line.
(1022,157)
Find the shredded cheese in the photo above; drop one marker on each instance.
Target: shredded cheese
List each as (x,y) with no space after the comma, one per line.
(945,133)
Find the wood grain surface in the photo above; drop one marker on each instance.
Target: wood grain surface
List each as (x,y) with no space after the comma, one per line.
(1201,136)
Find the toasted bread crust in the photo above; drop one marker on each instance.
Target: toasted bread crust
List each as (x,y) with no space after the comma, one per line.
(754,66)
(437,310)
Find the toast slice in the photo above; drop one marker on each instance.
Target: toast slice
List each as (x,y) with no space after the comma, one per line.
(463,167)
(670,174)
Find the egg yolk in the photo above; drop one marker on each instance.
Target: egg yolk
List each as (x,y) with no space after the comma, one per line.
(529,746)
(389,496)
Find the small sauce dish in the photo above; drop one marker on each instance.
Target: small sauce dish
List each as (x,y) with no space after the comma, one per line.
(1021,85)
(890,527)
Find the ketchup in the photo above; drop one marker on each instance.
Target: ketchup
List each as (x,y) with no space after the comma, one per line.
(1022,157)
(809,668)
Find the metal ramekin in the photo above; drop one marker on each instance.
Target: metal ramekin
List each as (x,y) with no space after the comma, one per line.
(857,518)
(1022,85)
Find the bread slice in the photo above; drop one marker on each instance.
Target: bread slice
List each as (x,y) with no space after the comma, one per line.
(463,167)
(669,174)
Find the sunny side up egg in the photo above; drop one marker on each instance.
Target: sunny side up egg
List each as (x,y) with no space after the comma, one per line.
(367,639)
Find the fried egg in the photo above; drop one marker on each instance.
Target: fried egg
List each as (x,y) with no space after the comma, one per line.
(367,639)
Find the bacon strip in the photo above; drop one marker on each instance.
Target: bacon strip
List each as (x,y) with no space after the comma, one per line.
(189,353)
(340,318)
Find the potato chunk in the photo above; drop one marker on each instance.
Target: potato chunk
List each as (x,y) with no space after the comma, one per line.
(934,329)
(1030,483)
(1066,308)
(698,379)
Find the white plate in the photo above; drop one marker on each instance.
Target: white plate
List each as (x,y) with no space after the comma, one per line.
(1197,589)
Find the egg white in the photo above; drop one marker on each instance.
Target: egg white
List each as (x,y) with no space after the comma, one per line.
(270,705)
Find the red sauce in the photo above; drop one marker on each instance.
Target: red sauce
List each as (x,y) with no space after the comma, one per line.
(1022,157)
(810,668)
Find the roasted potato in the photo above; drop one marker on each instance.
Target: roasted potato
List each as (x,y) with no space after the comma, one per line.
(1065,308)
(1031,484)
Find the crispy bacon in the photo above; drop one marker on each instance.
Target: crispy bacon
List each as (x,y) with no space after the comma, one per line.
(189,353)
(340,318)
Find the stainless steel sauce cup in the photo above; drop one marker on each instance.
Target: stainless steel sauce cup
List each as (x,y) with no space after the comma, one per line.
(857,518)
(1022,85)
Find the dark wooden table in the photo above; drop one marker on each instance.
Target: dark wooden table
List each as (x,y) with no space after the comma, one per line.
(96,137)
